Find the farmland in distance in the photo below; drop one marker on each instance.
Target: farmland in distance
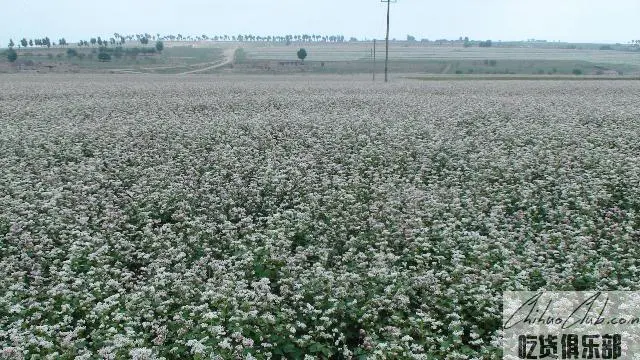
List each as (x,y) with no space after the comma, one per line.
(181,216)
(184,57)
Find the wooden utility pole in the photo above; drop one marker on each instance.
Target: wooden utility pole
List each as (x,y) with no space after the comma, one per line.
(386,56)
(374,59)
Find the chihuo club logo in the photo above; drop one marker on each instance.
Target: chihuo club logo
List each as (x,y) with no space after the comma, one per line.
(571,325)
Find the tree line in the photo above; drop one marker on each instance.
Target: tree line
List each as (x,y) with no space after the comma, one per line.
(41,42)
(145,38)
(256,38)
(105,51)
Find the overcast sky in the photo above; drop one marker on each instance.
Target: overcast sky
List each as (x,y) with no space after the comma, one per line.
(565,20)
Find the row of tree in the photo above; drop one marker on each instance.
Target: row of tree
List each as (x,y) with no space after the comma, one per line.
(144,39)
(465,41)
(256,38)
(118,52)
(105,52)
(62,42)
(98,41)
(45,41)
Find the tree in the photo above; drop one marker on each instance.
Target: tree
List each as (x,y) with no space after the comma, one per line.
(30,42)
(144,40)
(487,43)
(12,55)
(62,42)
(302,54)
(11,44)
(239,56)
(411,38)
(93,41)
(159,46)
(24,42)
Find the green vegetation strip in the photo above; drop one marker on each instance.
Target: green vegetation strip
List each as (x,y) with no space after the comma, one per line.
(520,77)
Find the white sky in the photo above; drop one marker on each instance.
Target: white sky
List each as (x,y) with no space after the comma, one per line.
(565,20)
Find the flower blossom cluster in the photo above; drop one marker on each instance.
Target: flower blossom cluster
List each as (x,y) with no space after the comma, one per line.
(230,218)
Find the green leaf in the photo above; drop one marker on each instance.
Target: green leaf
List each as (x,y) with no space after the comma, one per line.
(289,348)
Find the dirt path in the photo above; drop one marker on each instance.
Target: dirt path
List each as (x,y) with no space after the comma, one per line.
(228,59)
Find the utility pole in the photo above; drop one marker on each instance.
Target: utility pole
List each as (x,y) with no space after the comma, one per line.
(374,59)
(386,56)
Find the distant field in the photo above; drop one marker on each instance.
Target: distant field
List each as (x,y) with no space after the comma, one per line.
(350,57)
(448,60)
(404,51)
(172,60)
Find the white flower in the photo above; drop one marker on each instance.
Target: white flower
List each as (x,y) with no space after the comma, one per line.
(141,354)
(196,347)
(137,212)
(225,344)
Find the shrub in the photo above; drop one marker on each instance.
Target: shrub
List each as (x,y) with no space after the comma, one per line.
(72,53)
(104,57)
(577,72)
(12,55)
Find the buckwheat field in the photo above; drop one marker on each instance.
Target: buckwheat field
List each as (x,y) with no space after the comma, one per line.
(304,217)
